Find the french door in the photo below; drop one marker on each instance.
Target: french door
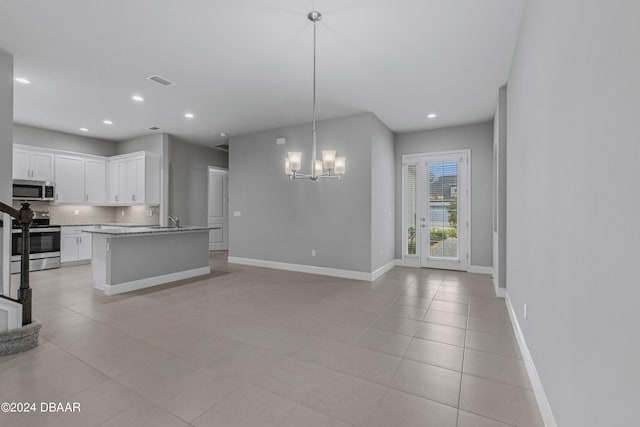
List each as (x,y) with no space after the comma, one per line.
(440,196)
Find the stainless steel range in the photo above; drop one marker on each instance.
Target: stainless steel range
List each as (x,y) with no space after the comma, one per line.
(44,244)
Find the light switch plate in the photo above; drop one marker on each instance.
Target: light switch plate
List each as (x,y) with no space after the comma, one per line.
(282,140)
(237,213)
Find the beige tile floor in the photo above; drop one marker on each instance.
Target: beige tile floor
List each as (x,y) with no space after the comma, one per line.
(249,346)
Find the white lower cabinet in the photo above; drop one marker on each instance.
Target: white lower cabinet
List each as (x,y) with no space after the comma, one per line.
(75,245)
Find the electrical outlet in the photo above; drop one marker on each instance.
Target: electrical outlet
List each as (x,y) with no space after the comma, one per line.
(237,213)
(313,252)
(76,212)
(122,212)
(524,309)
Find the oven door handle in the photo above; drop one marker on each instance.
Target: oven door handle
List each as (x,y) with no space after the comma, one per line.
(39,230)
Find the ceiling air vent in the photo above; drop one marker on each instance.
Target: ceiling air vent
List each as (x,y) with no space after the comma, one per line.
(154,128)
(161,80)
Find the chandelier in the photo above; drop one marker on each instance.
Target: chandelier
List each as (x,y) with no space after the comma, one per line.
(330,166)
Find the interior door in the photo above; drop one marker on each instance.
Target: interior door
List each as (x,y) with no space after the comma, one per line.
(218,217)
(444,211)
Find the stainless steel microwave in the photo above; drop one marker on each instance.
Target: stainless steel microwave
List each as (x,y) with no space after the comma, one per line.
(32,190)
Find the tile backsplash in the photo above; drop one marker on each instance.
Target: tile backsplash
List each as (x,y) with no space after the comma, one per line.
(138,214)
(66,214)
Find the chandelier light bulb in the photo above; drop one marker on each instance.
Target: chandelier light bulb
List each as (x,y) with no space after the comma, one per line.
(295,160)
(287,168)
(328,159)
(340,165)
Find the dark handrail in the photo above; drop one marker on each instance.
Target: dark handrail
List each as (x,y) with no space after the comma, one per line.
(25,218)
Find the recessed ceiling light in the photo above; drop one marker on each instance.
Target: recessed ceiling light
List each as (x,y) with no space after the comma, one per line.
(432,116)
(22,80)
(189,115)
(224,134)
(84,129)
(137,98)
(107,122)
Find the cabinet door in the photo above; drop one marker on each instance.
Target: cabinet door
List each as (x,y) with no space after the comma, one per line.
(21,164)
(84,246)
(130,184)
(69,179)
(95,181)
(69,248)
(42,166)
(114,182)
(140,195)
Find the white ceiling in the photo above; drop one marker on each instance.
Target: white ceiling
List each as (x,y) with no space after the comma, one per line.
(246,65)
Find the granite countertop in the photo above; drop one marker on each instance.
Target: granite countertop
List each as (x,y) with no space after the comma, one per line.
(106,224)
(153,229)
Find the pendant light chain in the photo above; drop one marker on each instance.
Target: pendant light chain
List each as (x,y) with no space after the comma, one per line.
(314,153)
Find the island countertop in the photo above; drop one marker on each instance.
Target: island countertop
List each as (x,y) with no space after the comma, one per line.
(125,259)
(153,229)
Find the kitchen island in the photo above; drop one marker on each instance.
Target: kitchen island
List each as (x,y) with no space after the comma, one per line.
(129,258)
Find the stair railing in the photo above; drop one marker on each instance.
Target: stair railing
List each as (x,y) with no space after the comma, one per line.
(25,217)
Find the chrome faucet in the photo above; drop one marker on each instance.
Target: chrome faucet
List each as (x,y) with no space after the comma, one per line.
(174,219)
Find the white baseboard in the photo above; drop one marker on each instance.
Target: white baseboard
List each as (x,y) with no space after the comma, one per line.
(379,272)
(134,285)
(480,269)
(311,269)
(408,262)
(541,397)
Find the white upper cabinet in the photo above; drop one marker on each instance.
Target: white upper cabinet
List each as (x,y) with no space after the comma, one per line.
(69,179)
(80,180)
(138,179)
(21,164)
(36,165)
(113,190)
(84,179)
(95,181)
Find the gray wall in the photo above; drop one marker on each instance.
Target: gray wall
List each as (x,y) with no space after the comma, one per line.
(189,179)
(382,195)
(573,233)
(283,221)
(152,143)
(477,137)
(6,153)
(47,138)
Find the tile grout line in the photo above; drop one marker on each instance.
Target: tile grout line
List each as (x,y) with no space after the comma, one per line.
(464,352)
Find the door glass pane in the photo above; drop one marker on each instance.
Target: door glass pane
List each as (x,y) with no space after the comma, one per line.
(443,209)
(410,209)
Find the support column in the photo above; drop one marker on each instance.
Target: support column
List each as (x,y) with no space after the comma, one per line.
(6,163)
